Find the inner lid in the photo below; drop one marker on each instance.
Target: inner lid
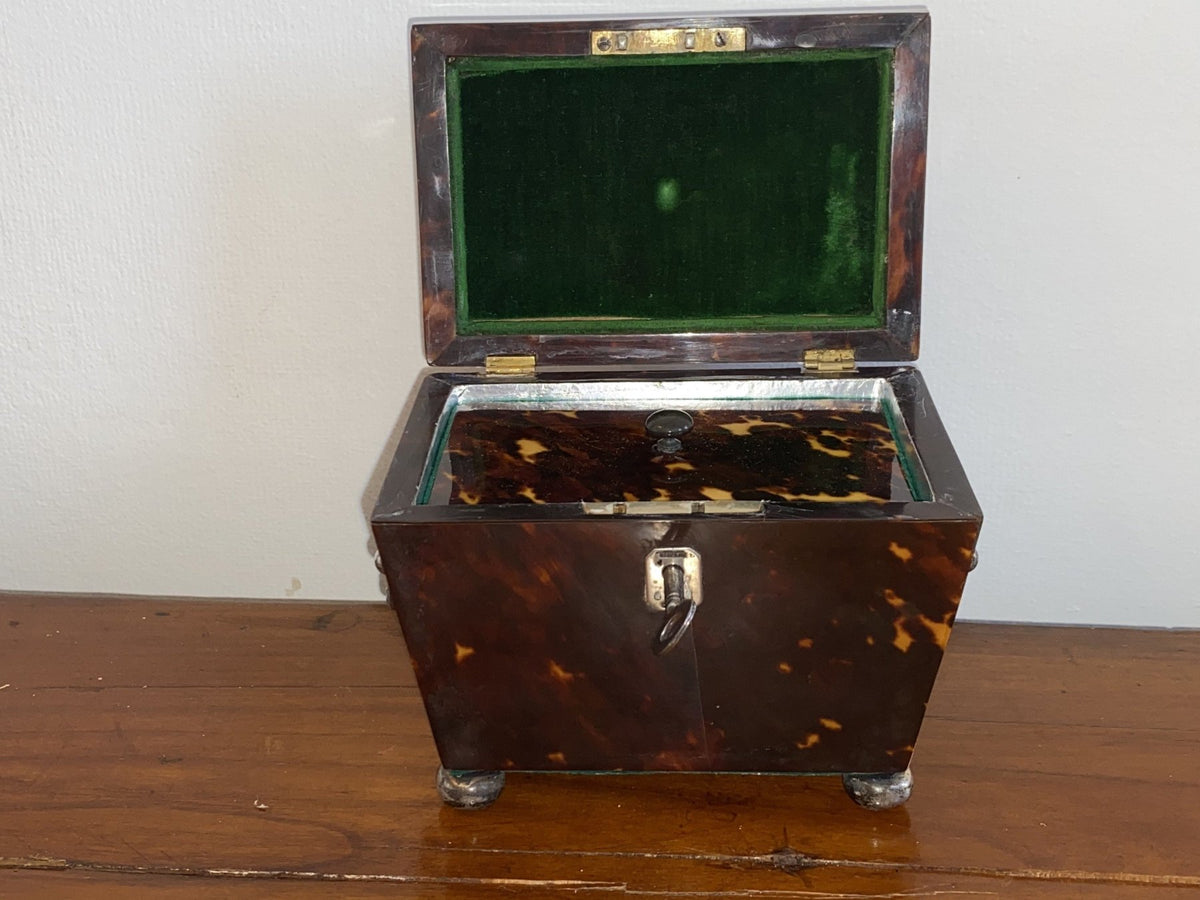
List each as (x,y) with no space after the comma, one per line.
(782,441)
(698,193)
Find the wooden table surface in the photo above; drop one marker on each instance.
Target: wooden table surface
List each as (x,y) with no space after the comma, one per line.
(171,748)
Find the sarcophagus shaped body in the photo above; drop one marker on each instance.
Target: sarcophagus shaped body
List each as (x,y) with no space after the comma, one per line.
(669,498)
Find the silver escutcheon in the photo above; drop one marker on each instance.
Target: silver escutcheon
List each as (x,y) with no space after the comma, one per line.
(673,587)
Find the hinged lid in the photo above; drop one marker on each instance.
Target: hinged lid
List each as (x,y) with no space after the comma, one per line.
(650,192)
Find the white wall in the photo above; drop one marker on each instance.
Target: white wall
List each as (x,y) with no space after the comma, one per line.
(209,306)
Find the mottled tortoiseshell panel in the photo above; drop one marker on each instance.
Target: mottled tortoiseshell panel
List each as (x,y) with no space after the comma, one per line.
(814,648)
(533,647)
(563,456)
(822,650)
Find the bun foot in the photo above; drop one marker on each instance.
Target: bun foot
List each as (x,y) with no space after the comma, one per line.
(885,791)
(469,790)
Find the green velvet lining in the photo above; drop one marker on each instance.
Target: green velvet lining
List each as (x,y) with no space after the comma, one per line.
(670,193)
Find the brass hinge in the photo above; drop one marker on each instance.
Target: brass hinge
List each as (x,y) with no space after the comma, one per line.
(829,361)
(509,365)
(668,40)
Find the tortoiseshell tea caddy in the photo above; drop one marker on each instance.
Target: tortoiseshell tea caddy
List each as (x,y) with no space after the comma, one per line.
(670,498)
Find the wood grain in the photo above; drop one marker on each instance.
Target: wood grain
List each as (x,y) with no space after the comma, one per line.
(281,749)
